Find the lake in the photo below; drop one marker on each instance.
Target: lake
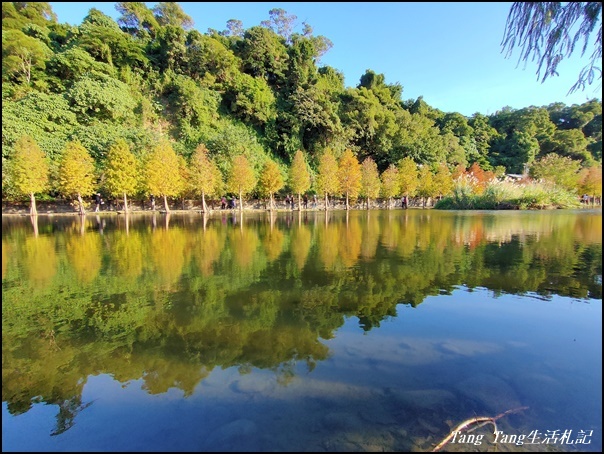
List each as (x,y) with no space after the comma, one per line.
(359,331)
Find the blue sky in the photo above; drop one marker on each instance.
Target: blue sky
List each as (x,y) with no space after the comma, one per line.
(449,53)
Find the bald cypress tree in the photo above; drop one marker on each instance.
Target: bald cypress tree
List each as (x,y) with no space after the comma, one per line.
(162,172)
(242,179)
(205,178)
(370,180)
(121,173)
(349,176)
(390,184)
(270,180)
(327,176)
(29,169)
(76,173)
(299,176)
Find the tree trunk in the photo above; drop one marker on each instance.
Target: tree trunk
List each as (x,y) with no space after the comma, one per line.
(204,207)
(326,202)
(240,202)
(299,204)
(27,67)
(347,206)
(32,208)
(125,203)
(167,208)
(81,204)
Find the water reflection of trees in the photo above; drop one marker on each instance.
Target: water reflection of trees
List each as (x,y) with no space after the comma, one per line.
(169,303)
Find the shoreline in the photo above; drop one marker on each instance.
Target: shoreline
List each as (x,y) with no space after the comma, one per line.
(53,208)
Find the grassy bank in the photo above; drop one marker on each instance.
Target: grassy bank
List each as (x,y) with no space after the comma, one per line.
(507,195)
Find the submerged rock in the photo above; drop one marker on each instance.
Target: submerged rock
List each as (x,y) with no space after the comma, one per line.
(492,392)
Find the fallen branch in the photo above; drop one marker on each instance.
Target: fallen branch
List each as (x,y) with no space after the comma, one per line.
(468,422)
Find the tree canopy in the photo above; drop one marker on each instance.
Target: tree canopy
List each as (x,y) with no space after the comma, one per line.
(260,91)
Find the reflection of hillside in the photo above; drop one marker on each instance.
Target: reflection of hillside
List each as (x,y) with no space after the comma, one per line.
(170,305)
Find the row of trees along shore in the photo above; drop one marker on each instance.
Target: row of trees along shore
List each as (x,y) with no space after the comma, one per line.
(168,175)
(149,105)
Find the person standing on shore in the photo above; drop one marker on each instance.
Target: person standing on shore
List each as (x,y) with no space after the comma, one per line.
(97,201)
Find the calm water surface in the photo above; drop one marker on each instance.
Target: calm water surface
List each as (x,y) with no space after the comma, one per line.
(366,331)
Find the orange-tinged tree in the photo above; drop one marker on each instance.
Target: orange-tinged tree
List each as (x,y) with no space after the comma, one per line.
(481,177)
(408,176)
(163,173)
(390,184)
(242,179)
(299,176)
(270,181)
(349,176)
(590,181)
(121,172)
(29,169)
(370,180)
(76,173)
(327,175)
(205,178)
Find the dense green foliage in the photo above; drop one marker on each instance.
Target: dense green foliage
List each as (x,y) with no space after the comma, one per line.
(259,92)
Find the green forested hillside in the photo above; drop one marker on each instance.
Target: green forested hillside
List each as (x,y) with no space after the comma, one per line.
(260,92)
